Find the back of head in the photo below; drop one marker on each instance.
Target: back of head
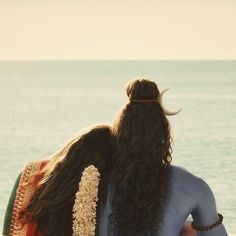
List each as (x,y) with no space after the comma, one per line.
(51,206)
(141,170)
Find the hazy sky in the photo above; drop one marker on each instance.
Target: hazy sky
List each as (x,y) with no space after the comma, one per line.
(121,29)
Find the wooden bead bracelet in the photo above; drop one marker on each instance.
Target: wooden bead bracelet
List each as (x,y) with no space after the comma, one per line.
(208,227)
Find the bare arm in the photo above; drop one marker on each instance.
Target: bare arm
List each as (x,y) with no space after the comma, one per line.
(205,212)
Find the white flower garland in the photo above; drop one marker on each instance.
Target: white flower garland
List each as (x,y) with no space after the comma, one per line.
(84,209)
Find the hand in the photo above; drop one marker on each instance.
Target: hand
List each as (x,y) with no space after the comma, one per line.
(187,230)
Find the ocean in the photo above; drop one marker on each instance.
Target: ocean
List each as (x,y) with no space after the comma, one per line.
(44,103)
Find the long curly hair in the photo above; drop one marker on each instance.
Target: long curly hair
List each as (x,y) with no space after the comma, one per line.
(52,204)
(141,173)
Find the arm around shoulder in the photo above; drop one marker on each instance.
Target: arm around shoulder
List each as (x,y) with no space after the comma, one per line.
(205,212)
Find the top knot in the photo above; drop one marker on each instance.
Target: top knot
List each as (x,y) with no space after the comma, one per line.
(142,89)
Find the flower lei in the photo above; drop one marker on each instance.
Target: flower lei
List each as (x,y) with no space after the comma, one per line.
(84,209)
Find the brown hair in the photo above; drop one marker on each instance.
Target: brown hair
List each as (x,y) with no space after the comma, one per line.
(51,206)
(141,169)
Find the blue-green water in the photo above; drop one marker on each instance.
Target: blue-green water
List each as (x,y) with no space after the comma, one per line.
(44,103)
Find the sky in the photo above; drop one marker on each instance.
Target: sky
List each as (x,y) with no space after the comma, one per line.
(117,30)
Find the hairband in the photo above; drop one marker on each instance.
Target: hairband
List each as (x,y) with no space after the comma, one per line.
(143,100)
(159,100)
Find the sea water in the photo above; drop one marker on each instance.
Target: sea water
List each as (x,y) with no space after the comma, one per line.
(44,103)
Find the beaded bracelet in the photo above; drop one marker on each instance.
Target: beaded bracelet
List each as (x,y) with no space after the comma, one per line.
(208,227)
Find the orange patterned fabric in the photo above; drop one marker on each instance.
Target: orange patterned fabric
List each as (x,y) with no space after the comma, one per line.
(28,184)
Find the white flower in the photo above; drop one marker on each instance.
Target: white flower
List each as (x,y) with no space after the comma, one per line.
(84,209)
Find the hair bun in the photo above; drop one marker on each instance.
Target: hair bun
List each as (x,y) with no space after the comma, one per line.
(142,88)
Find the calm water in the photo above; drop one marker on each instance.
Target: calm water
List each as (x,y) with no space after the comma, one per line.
(44,103)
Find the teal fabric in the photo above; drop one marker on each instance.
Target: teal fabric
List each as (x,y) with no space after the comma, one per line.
(7,219)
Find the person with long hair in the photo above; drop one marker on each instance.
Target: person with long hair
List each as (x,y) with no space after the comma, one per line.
(149,196)
(42,199)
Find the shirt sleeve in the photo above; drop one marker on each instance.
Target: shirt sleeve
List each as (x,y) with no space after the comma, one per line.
(8,214)
(205,212)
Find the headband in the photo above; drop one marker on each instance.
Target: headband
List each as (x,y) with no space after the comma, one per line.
(159,99)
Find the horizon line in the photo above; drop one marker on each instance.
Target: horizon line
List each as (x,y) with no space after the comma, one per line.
(25,60)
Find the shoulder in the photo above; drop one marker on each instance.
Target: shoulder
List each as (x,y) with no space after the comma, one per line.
(182,177)
(32,171)
(185,180)
(35,167)
(206,193)
(38,164)
(184,174)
